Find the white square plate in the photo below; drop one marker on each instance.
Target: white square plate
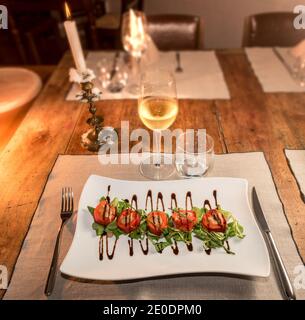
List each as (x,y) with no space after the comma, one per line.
(251,255)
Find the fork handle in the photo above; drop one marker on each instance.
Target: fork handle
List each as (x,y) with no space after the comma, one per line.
(52,272)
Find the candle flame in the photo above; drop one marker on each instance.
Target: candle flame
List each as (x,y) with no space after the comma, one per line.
(133,24)
(67,11)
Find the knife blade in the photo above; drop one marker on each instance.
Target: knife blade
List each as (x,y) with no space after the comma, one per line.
(259,212)
(286,285)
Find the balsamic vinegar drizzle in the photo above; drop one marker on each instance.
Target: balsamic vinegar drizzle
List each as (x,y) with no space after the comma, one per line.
(208,251)
(175,248)
(149,200)
(189,246)
(173,199)
(110,256)
(106,213)
(188,196)
(130,244)
(134,200)
(207,203)
(215,198)
(145,251)
(108,191)
(101,247)
(149,196)
(160,197)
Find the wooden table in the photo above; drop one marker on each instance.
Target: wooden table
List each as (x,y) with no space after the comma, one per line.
(250,121)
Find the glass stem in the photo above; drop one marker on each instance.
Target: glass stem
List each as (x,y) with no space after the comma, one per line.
(157,134)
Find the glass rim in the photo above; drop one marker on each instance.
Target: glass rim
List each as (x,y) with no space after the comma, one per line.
(210,150)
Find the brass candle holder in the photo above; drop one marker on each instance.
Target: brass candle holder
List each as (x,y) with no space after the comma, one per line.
(90,139)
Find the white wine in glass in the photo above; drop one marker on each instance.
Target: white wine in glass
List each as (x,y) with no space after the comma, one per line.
(158,109)
(158,113)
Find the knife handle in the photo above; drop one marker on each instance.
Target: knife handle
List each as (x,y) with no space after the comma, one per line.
(282,272)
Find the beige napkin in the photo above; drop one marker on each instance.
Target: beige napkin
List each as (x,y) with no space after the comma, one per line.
(271,72)
(202,77)
(32,267)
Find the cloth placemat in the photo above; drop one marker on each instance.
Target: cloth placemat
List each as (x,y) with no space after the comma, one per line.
(32,267)
(271,72)
(296,159)
(202,77)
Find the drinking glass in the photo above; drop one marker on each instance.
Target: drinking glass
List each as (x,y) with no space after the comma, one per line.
(158,109)
(104,72)
(133,35)
(194,154)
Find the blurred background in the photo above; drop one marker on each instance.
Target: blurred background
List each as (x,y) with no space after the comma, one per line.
(36,40)
(36,34)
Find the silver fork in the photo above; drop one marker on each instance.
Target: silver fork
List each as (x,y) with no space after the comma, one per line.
(67,204)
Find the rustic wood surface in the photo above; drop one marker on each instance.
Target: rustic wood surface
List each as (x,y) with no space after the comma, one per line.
(250,121)
(10,121)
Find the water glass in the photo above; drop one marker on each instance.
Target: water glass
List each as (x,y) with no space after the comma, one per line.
(194,154)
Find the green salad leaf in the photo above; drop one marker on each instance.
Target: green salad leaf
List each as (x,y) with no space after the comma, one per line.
(99,229)
(91,210)
(210,240)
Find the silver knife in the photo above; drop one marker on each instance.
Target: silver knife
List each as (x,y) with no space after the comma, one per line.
(280,267)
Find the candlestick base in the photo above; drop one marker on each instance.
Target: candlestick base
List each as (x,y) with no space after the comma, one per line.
(89,140)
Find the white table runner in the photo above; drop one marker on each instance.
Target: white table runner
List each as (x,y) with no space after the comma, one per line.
(202,77)
(32,267)
(271,71)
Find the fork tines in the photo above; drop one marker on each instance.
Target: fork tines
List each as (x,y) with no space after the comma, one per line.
(67,202)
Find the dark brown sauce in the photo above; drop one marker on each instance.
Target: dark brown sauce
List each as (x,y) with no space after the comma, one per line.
(215,198)
(175,248)
(145,251)
(207,203)
(208,251)
(149,197)
(130,244)
(160,197)
(173,199)
(101,247)
(134,200)
(188,196)
(110,255)
(108,191)
(228,246)
(189,246)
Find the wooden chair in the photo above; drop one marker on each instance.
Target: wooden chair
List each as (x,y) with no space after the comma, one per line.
(35,30)
(271,29)
(174,32)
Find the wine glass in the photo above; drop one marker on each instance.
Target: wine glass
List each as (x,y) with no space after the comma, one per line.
(133,35)
(158,109)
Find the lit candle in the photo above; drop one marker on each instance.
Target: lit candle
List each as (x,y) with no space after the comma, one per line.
(73,38)
(136,36)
